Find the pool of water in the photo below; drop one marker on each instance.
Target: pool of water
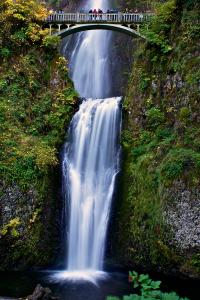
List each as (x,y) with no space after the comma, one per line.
(86,286)
(21,284)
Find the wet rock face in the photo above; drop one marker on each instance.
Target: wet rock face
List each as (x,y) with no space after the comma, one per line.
(16,204)
(28,237)
(183,215)
(173,82)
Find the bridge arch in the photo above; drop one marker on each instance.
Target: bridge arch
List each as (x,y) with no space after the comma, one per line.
(96,26)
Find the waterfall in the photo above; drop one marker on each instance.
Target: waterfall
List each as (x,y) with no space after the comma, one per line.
(90,59)
(91,155)
(91,163)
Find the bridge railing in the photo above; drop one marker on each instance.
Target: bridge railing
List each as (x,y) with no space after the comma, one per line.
(100,17)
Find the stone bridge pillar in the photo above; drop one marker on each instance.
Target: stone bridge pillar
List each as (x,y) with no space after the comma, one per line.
(50,29)
(77,17)
(119,16)
(59,25)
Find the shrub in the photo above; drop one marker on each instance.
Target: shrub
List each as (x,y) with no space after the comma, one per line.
(144,82)
(51,41)
(126,138)
(154,117)
(5,52)
(184,114)
(177,161)
(138,151)
(149,289)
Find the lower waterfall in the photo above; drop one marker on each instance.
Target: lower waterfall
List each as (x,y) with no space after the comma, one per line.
(90,166)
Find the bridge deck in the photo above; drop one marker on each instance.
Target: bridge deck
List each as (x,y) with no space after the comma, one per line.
(80,18)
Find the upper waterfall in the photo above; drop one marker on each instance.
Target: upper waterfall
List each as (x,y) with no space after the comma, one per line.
(89,60)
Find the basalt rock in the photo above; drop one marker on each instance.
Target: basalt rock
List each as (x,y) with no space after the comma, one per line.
(40,293)
(182,215)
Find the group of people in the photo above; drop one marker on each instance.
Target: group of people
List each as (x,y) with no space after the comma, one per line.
(96,14)
(100,11)
(96,11)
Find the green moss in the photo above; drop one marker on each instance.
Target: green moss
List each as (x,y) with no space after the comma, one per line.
(11,228)
(184,114)
(195,262)
(144,82)
(140,214)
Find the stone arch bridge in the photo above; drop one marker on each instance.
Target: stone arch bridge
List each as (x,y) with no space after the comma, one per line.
(64,24)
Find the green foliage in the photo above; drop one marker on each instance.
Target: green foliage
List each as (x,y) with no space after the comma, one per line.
(139,4)
(156,39)
(19,25)
(144,82)
(174,162)
(165,13)
(138,151)
(154,117)
(54,2)
(160,25)
(33,119)
(19,37)
(149,289)
(5,52)
(34,112)
(51,42)
(126,138)
(177,161)
(191,3)
(195,261)
(184,114)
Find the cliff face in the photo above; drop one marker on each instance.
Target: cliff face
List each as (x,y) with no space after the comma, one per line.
(159,206)
(37,101)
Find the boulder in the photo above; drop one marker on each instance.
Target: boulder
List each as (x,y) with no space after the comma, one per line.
(40,293)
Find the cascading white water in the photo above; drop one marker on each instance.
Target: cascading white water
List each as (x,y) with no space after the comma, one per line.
(90,59)
(91,158)
(91,163)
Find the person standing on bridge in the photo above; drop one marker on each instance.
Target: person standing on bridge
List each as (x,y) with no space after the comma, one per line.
(95,13)
(90,14)
(141,16)
(100,12)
